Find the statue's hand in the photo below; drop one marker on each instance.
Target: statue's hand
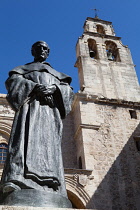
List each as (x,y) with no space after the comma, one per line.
(38,90)
(43,90)
(49,90)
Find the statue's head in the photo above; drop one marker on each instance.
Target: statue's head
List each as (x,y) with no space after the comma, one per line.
(40,50)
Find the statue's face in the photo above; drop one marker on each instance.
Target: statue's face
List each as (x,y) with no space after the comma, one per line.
(40,52)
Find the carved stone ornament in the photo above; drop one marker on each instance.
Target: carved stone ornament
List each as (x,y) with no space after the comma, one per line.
(82,180)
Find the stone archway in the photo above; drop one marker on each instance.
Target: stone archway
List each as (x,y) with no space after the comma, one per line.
(76,202)
(76,190)
(5,129)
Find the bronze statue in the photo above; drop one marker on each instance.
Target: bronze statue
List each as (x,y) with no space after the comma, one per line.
(41,97)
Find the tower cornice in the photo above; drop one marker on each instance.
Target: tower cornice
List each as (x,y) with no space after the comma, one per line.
(108,101)
(102,35)
(97,20)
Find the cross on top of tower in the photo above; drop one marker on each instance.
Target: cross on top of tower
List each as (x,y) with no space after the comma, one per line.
(96,12)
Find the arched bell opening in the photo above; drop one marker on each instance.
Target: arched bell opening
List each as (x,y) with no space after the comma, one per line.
(93,53)
(100,29)
(112,51)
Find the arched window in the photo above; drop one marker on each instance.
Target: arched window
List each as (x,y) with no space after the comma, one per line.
(100,29)
(3,152)
(112,51)
(92,48)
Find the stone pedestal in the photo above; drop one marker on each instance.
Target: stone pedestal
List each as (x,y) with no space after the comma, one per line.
(31,208)
(35,198)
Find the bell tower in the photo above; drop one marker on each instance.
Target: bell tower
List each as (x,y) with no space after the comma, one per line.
(106,114)
(104,64)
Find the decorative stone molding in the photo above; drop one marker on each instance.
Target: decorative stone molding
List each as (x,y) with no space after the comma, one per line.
(6,119)
(76,180)
(86,126)
(5,108)
(5,127)
(102,99)
(3,141)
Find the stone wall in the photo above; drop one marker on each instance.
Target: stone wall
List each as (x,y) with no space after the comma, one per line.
(110,79)
(68,143)
(6,119)
(92,26)
(109,144)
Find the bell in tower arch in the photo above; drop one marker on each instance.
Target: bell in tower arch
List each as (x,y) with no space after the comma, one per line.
(92,48)
(92,53)
(110,55)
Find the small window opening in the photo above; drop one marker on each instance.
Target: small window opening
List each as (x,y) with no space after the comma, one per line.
(112,51)
(3,153)
(100,29)
(80,163)
(138,145)
(92,48)
(137,142)
(133,114)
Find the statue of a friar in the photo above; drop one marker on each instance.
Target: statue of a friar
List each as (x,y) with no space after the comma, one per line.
(41,98)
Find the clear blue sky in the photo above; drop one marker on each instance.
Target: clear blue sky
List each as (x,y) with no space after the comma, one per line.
(60,23)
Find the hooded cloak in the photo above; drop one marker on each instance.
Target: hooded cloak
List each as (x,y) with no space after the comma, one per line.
(34,158)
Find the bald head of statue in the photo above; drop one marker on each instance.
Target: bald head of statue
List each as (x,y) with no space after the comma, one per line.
(40,50)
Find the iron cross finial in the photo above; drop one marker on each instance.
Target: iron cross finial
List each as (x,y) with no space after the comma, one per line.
(96,11)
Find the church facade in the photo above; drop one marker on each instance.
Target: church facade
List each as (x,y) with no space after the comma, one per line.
(101,137)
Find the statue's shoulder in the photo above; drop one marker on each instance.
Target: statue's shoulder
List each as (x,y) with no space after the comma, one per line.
(17,70)
(32,66)
(36,66)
